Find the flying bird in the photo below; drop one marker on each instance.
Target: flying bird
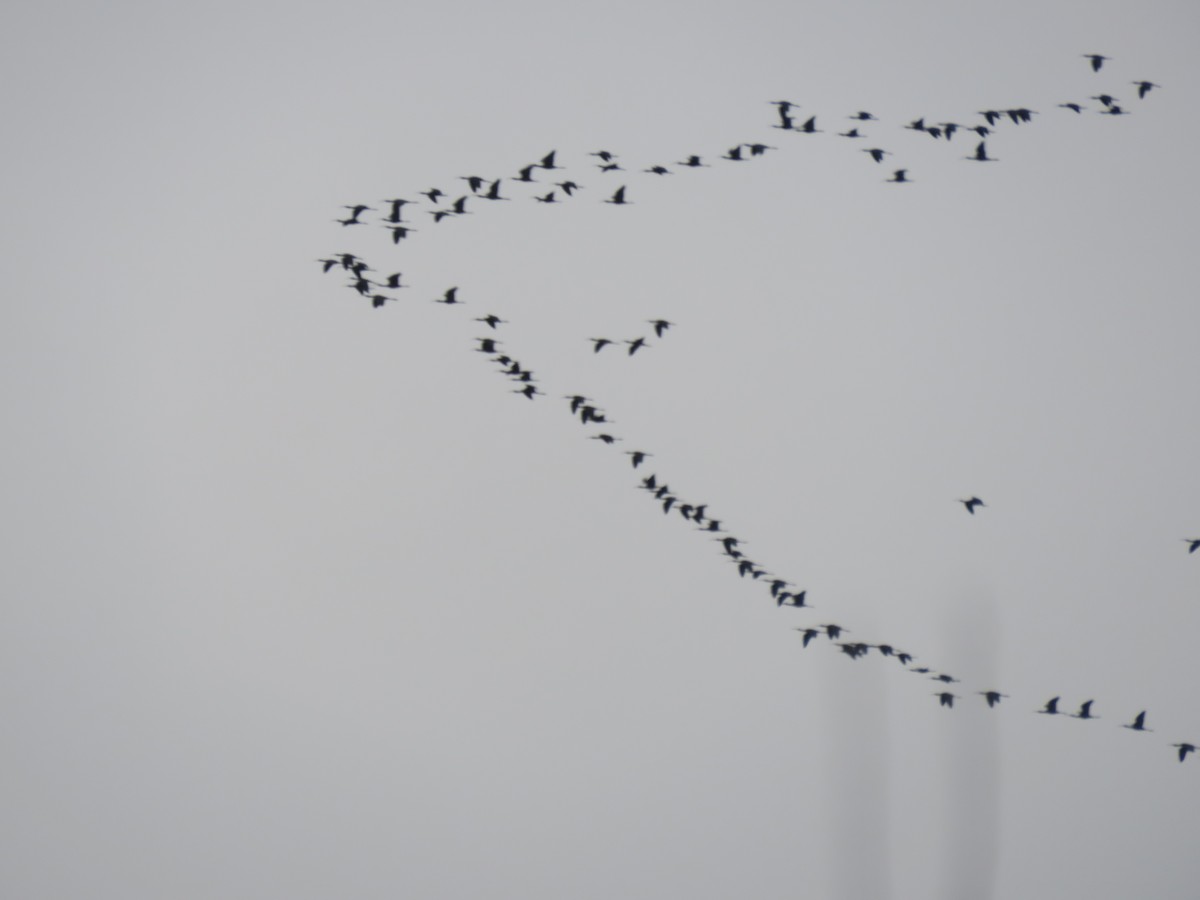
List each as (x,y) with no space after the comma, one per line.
(980,154)
(618,196)
(1051,707)
(900,176)
(1085,711)
(946,698)
(1144,87)
(599,344)
(992,697)
(1097,60)
(1184,750)
(971,504)
(637,457)
(451,296)
(1193,544)
(1139,723)
(492,321)
(660,325)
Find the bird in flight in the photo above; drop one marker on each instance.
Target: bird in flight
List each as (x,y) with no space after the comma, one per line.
(971,504)
(981,154)
(660,325)
(1184,749)
(451,296)
(945,698)
(1193,544)
(1051,707)
(599,344)
(492,320)
(1139,723)
(900,176)
(1085,711)
(618,196)
(992,697)
(1097,60)
(1144,87)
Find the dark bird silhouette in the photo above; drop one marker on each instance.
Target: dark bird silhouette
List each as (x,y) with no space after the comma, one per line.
(526,174)
(946,698)
(1085,711)
(399,232)
(636,344)
(919,124)
(1051,707)
(394,215)
(393,282)
(1184,750)
(327,264)
(529,391)
(971,504)
(876,154)
(474,182)
(992,697)
(758,149)
(568,187)
(599,344)
(492,321)
(1106,99)
(852,133)
(834,631)
(980,154)
(459,207)
(787,599)
(1113,110)
(1193,544)
(1074,107)
(610,167)
(589,413)
(734,153)
(992,116)
(808,634)
(945,679)
(493,193)
(693,162)
(433,194)
(1097,60)
(548,161)
(377,300)
(658,170)
(451,296)
(577,400)
(1144,87)
(863,117)
(809,126)
(660,326)
(355,212)
(604,155)
(607,438)
(637,457)
(618,196)
(548,198)
(1138,723)
(900,176)
(487,345)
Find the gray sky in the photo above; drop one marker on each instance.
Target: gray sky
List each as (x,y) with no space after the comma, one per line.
(301,601)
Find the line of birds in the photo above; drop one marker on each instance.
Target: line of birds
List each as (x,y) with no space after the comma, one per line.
(781,590)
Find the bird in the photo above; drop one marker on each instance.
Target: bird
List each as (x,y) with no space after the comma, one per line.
(607,438)
(809,126)
(1193,544)
(971,504)
(492,321)
(1144,87)
(474,182)
(637,457)
(693,162)
(981,154)
(1139,723)
(529,390)
(945,698)
(852,133)
(1085,711)
(548,161)
(548,198)
(451,296)
(660,325)
(734,153)
(399,232)
(787,599)
(526,174)
(599,344)
(394,215)
(618,196)
(393,282)
(493,192)
(487,345)
(1074,107)
(1051,707)
(1097,60)
(808,635)
(432,194)
(900,176)
(834,631)
(1106,99)
(355,212)
(604,155)
(945,679)
(636,344)
(863,117)
(658,170)
(992,697)
(991,115)
(876,153)
(377,300)
(1184,749)
(758,149)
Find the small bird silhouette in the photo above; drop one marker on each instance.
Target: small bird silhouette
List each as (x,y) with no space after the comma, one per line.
(971,504)
(1097,60)
(599,344)
(1184,750)
(1139,723)
(1193,544)
(492,321)
(660,325)
(946,698)
(637,457)
(451,296)
(1144,87)
(900,176)
(618,196)
(992,697)
(1051,707)
(980,154)
(1085,711)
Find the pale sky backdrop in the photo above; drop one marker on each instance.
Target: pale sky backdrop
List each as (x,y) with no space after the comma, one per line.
(300,601)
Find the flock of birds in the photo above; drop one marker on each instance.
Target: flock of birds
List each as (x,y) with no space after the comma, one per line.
(484,190)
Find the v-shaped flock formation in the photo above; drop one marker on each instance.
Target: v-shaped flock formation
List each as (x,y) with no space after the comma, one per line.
(537,182)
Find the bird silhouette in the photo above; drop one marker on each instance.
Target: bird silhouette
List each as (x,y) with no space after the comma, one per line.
(693,162)
(1144,87)
(876,153)
(1139,723)
(355,212)
(1193,544)
(1085,711)
(900,176)
(1184,749)
(992,697)
(980,154)
(637,457)
(451,296)
(658,170)
(599,344)
(660,326)
(1051,707)
(945,698)
(492,321)
(618,196)
(971,504)
(1097,60)
(636,344)
(1074,107)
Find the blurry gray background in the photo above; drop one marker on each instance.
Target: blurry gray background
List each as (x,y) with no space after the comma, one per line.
(299,601)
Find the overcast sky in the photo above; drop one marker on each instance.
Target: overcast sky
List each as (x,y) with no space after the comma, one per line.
(300,600)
